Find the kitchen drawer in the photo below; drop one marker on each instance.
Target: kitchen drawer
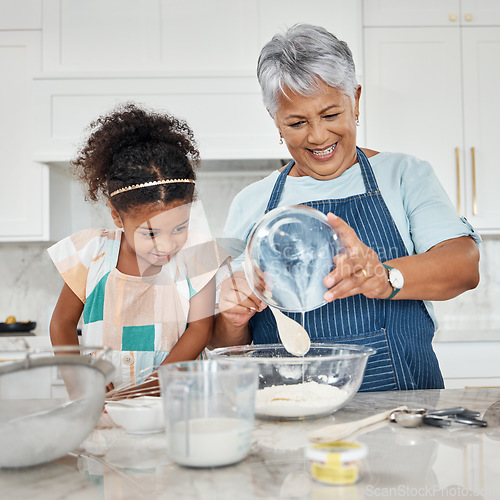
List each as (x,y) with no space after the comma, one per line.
(469,364)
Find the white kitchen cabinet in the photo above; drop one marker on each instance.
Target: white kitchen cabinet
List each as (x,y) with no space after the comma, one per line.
(393,13)
(481,81)
(20,15)
(215,37)
(469,364)
(195,59)
(24,183)
(430,90)
(226,113)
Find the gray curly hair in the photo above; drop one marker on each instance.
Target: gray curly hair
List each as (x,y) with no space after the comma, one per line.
(300,59)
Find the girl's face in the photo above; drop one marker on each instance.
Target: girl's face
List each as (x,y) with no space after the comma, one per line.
(154,233)
(319,131)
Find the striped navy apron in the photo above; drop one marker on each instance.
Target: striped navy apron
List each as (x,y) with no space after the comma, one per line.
(401,331)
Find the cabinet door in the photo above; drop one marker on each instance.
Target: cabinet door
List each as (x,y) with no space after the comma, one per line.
(468,364)
(24,182)
(411,13)
(189,36)
(413,96)
(431,12)
(20,15)
(481,69)
(480,12)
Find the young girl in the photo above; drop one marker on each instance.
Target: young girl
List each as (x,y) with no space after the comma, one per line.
(145,290)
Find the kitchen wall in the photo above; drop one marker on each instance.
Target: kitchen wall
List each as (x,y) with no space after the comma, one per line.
(476,311)
(30,285)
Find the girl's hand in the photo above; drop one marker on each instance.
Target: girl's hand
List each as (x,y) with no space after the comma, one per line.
(359,270)
(237,302)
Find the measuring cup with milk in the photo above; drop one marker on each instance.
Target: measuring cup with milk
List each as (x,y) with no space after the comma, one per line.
(209,411)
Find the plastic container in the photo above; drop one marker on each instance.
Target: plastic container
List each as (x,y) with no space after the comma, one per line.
(289,252)
(337,462)
(209,411)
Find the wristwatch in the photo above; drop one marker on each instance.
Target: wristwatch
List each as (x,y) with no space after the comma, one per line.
(395,279)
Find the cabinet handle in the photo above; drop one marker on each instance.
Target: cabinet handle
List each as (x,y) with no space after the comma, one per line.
(453,17)
(474,191)
(468,17)
(459,201)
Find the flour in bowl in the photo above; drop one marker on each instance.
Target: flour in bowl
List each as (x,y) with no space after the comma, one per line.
(299,400)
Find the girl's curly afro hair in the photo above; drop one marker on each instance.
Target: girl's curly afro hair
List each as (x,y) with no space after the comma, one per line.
(133,146)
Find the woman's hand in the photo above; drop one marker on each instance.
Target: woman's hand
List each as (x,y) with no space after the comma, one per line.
(446,270)
(359,270)
(237,304)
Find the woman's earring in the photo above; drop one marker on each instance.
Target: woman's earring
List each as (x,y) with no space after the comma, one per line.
(357,121)
(281,140)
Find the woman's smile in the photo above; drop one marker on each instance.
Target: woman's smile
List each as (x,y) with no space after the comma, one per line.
(324,154)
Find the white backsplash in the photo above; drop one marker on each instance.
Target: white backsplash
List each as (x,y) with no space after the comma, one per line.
(30,284)
(476,310)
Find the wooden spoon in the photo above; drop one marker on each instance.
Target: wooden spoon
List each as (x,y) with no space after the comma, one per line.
(293,335)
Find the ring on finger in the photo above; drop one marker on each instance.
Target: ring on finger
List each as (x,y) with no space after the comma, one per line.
(365,274)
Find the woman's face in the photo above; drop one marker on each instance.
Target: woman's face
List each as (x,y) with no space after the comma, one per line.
(319,131)
(155,234)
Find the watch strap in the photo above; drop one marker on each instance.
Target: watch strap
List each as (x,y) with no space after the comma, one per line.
(395,291)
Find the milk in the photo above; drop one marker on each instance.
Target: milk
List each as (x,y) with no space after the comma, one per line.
(211,442)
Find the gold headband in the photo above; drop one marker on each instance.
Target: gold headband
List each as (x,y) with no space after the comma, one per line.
(148,184)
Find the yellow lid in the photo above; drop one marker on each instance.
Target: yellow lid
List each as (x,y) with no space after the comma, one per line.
(337,451)
(336,462)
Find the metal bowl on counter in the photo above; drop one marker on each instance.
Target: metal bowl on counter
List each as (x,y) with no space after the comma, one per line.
(50,400)
(300,387)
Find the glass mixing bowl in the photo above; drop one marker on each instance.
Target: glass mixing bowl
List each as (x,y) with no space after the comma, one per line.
(288,254)
(314,385)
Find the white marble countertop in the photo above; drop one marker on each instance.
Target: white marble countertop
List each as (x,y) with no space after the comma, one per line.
(428,462)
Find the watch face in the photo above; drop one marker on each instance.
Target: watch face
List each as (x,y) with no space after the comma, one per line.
(396,278)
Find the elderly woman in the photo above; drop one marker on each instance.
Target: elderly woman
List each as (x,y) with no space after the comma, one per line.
(405,243)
